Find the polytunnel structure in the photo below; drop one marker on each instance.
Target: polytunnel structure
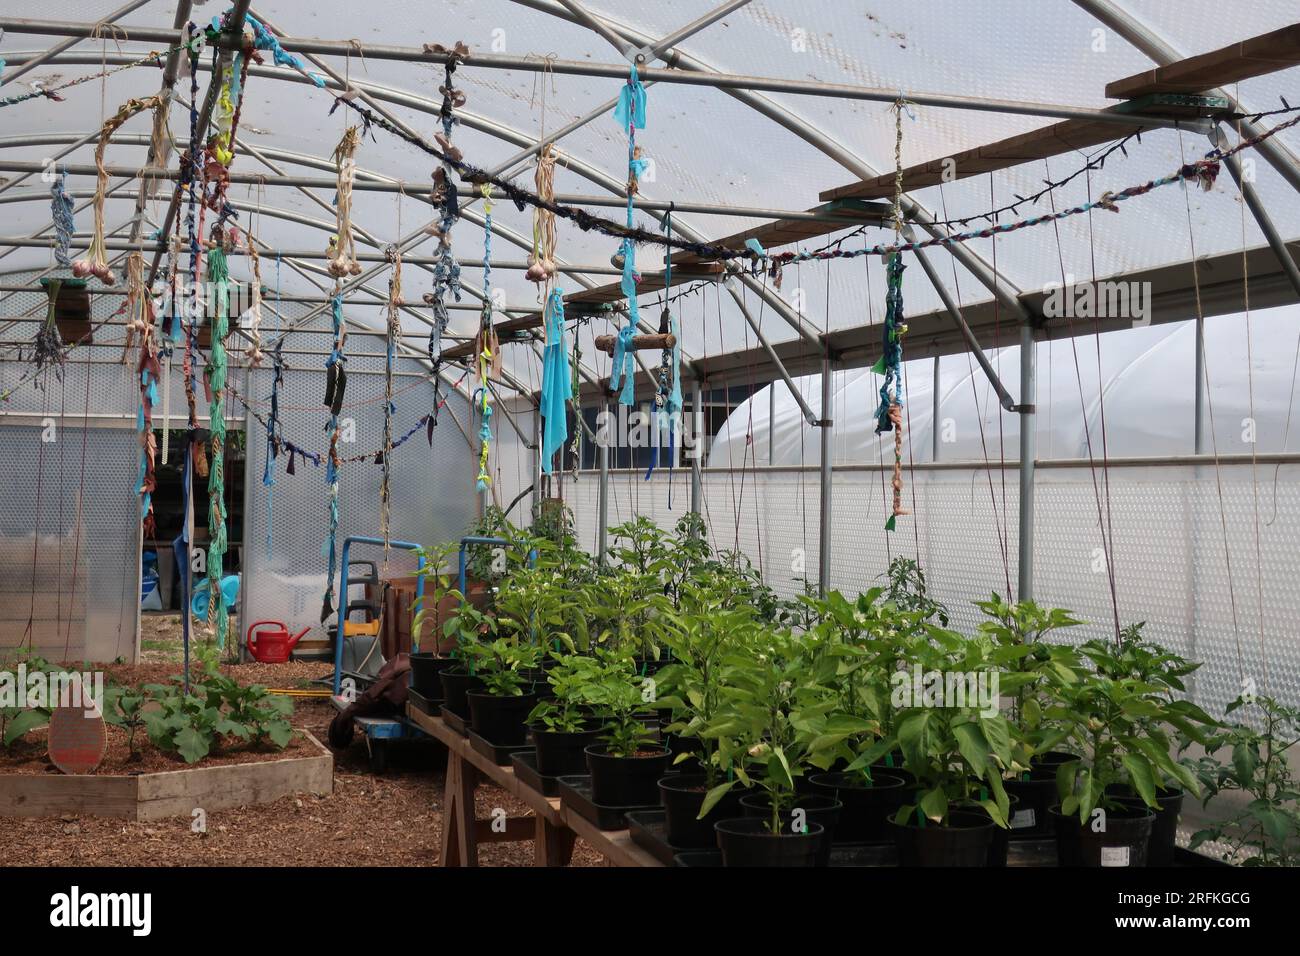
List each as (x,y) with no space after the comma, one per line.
(974,311)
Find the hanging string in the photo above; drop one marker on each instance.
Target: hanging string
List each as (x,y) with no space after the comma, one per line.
(335,385)
(214,381)
(153,58)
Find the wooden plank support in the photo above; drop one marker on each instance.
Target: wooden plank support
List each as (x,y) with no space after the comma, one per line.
(1279,50)
(658,342)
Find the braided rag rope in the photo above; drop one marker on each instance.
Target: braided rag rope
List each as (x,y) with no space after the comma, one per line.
(140,322)
(61,207)
(215,382)
(394,332)
(335,385)
(446,270)
(630,114)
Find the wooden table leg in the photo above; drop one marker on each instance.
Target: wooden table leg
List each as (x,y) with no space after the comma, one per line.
(459,841)
(552,845)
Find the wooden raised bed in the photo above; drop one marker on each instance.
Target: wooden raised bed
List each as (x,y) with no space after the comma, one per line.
(172,793)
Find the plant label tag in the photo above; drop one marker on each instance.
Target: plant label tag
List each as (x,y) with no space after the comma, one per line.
(1114,856)
(1023,819)
(77,739)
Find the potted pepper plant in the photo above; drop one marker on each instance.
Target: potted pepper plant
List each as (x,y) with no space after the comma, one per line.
(1115,722)
(564,723)
(626,761)
(498,710)
(768,695)
(430,611)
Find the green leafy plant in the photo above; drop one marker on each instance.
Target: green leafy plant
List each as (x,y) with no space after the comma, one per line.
(193,724)
(609,685)
(503,665)
(486,563)
(1266,830)
(125,707)
(1117,723)
(436,574)
(767,701)
(908,591)
(576,679)
(957,748)
(15,721)
(468,625)
(691,687)
(249,712)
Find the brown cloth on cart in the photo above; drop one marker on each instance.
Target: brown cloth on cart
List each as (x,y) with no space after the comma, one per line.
(386,697)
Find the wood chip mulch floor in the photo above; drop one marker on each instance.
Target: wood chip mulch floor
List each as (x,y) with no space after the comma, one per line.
(393,819)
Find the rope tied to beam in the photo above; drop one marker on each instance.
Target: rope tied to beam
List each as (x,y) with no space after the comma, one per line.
(393,334)
(889,414)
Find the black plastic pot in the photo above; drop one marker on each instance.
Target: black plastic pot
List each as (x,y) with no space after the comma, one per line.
(691,765)
(425,668)
(747,842)
(560,753)
(866,803)
(1051,758)
(1037,795)
(1122,843)
(965,841)
(895,769)
(626,781)
(817,808)
(456,682)
(1164,828)
(804,784)
(500,720)
(682,795)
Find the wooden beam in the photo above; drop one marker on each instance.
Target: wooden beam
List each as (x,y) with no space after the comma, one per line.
(1063,137)
(1269,53)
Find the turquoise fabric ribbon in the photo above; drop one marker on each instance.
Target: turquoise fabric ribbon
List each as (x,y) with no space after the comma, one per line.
(557,382)
(624,365)
(630,111)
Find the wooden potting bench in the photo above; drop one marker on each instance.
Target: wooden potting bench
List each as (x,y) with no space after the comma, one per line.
(552,828)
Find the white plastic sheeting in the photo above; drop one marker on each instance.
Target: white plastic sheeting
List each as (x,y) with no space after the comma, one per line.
(1149,401)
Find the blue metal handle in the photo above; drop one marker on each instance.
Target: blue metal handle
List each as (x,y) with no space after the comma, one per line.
(343,598)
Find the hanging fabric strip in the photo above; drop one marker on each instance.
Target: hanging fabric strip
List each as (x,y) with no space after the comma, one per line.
(624,365)
(215,381)
(273,436)
(446,270)
(557,381)
(485,349)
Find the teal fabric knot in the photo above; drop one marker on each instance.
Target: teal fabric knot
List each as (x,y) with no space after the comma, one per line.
(756,247)
(624,365)
(630,111)
(557,382)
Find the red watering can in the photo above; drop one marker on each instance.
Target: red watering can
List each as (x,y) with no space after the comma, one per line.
(271,643)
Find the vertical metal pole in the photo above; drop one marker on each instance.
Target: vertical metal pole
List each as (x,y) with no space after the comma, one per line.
(824,528)
(697,444)
(1028,452)
(602,510)
(537,462)
(934,415)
